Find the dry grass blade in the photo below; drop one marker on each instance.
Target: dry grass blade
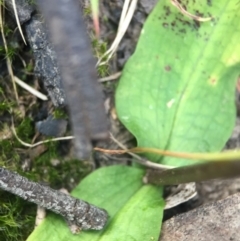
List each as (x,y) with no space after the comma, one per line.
(126,17)
(9,65)
(186,13)
(40,142)
(139,159)
(17,20)
(30,89)
(111,77)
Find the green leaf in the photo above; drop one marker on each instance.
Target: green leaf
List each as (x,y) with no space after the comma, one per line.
(119,190)
(177,92)
(139,219)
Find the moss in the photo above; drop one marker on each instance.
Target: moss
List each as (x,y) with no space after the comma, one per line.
(60,114)
(8,152)
(87,11)
(6,106)
(12,52)
(25,130)
(32,2)
(99,46)
(53,169)
(14,220)
(100,49)
(13,47)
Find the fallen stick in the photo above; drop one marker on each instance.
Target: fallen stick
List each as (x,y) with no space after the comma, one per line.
(80,215)
(76,63)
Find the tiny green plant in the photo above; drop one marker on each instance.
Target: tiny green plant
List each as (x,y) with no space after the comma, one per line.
(100,48)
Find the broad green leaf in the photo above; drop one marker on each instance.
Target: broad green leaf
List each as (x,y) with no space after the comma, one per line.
(117,189)
(139,219)
(177,91)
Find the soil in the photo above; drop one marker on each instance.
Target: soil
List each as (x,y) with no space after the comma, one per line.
(31,111)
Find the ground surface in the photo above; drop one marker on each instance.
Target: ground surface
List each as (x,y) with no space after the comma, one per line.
(53,163)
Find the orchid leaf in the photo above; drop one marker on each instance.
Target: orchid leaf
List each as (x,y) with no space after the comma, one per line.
(177,91)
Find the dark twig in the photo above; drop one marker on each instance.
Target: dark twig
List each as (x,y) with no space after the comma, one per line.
(77,66)
(46,67)
(79,214)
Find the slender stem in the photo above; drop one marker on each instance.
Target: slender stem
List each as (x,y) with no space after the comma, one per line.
(77,212)
(194,173)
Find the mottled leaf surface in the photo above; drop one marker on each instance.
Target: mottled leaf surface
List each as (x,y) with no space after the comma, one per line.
(177,91)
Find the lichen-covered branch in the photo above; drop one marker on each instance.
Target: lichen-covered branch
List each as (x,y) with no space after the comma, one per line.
(46,67)
(76,212)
